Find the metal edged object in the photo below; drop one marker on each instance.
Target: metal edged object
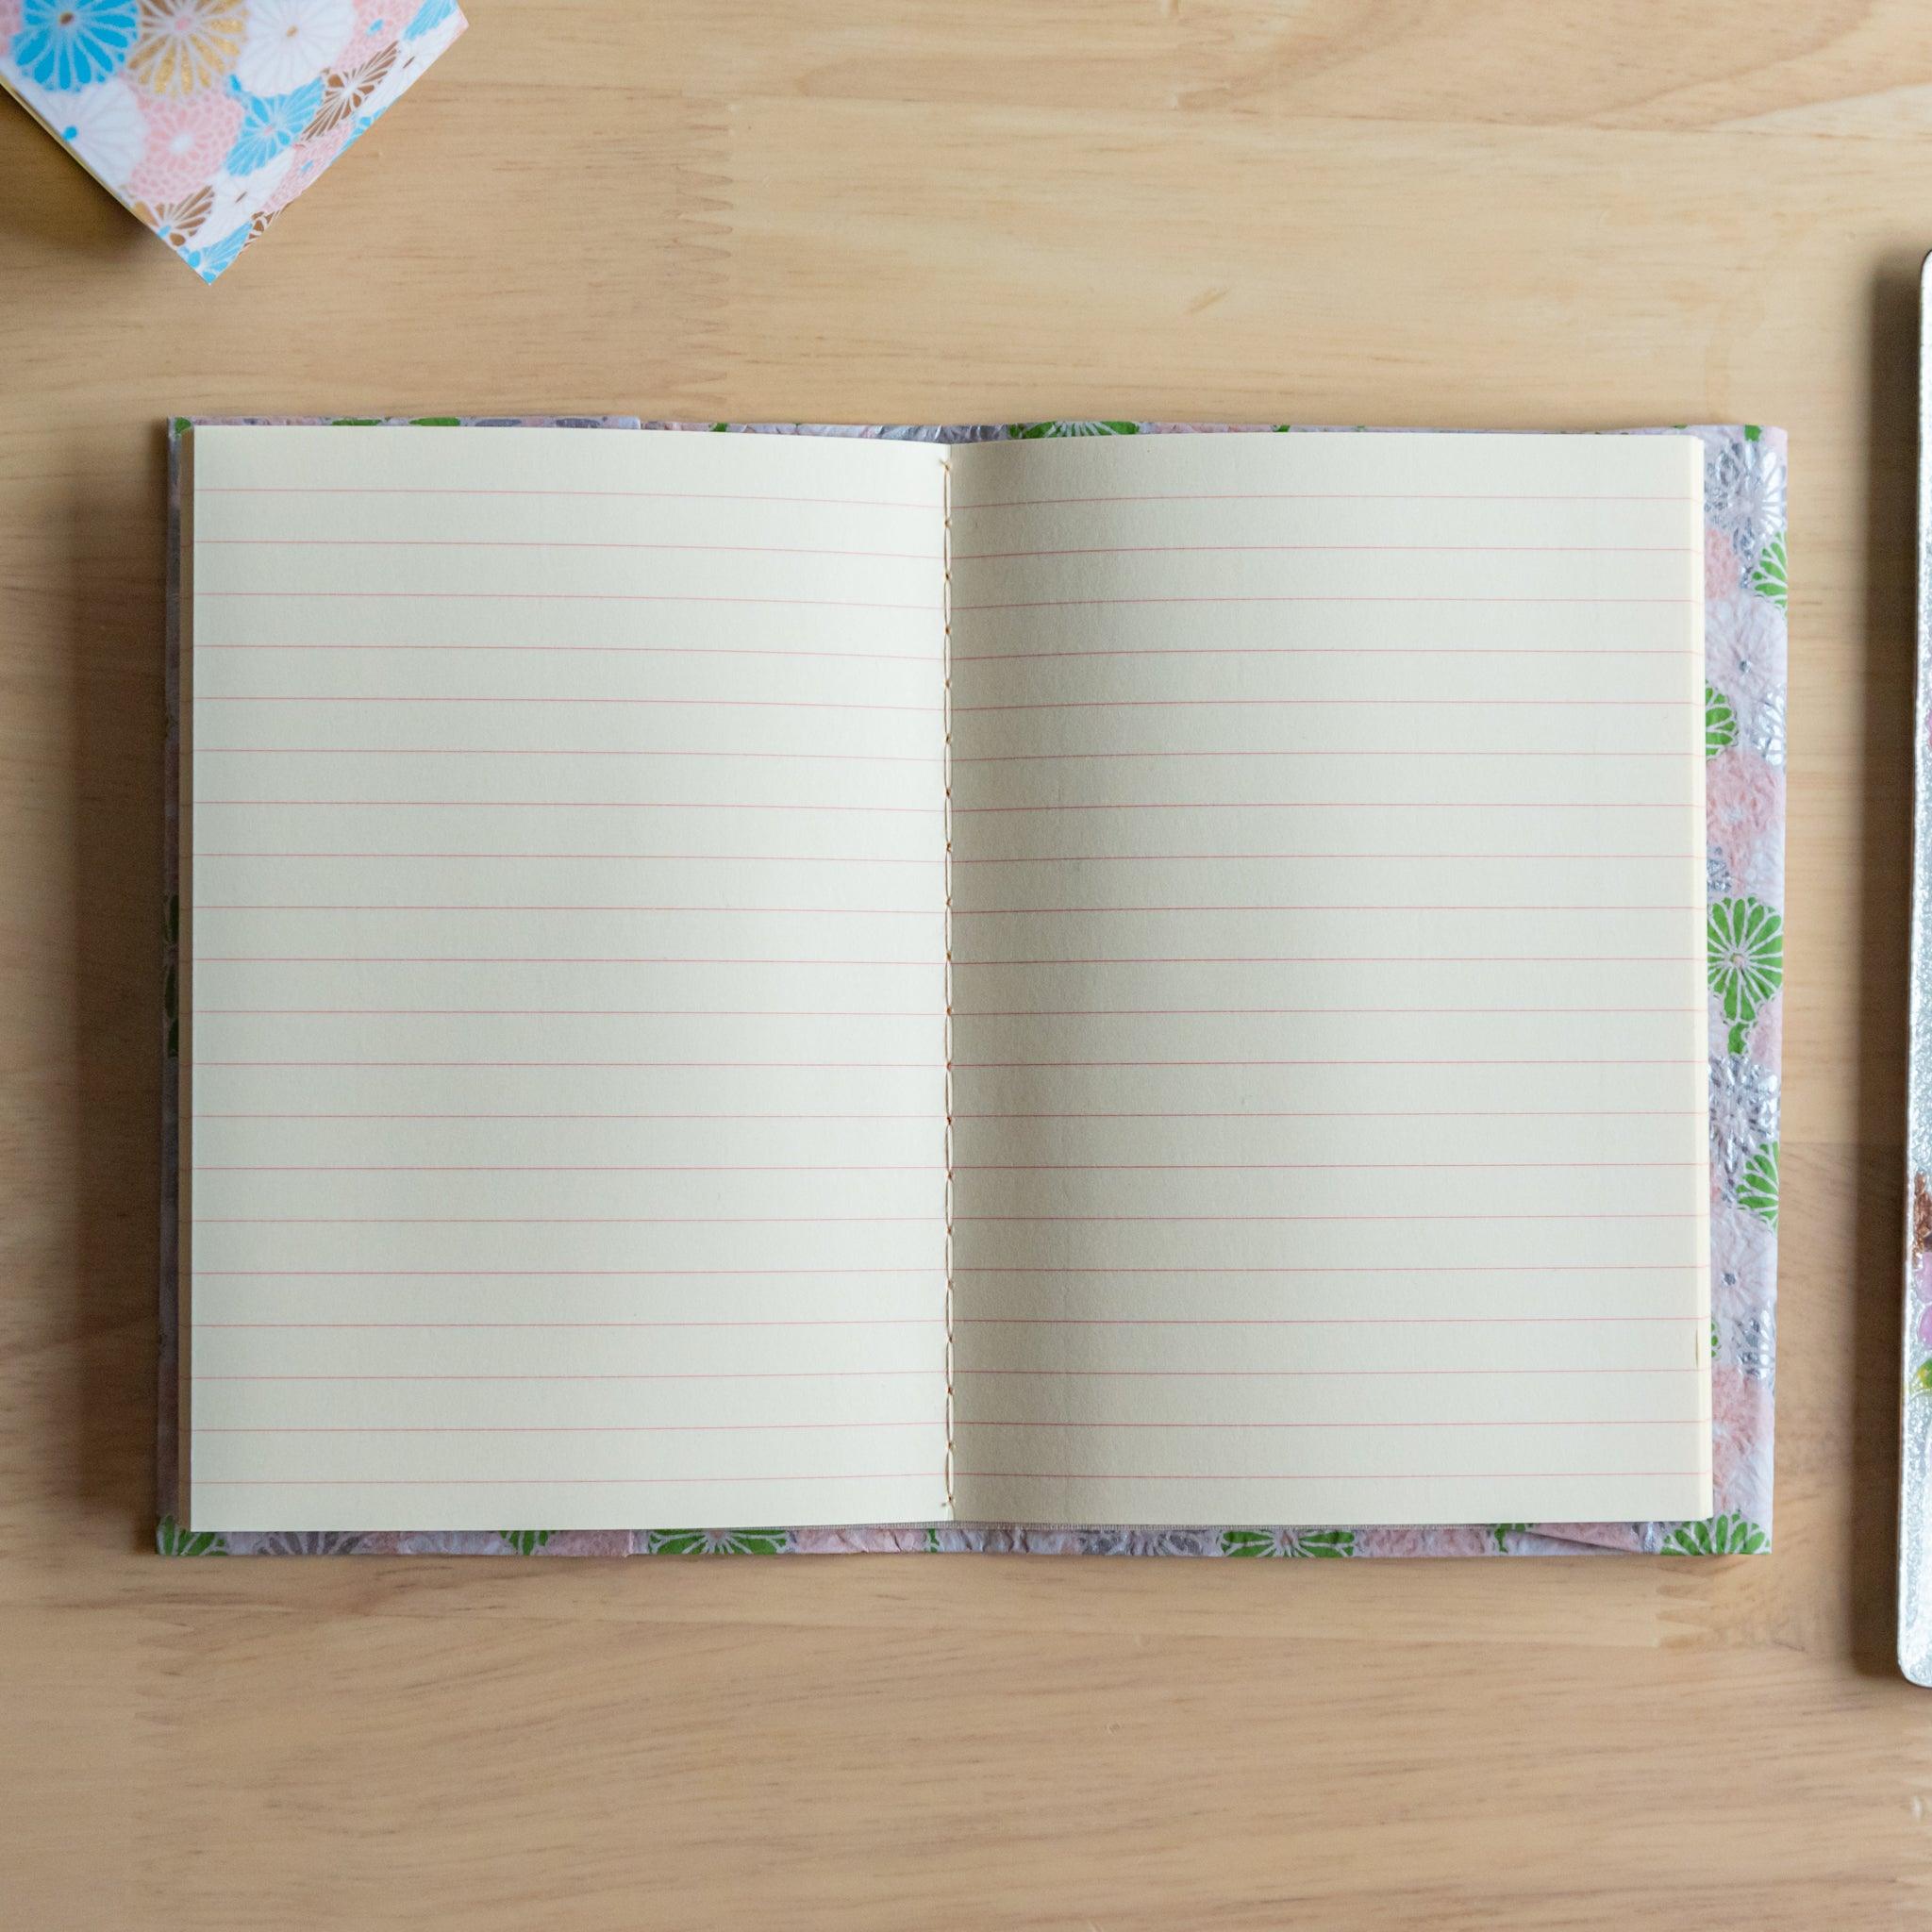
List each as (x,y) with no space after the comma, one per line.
(1915,1448)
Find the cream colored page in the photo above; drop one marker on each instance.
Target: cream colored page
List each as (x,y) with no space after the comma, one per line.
(567,905)
(1329,997)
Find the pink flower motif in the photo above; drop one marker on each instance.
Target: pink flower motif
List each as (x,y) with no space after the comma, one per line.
(1462,1540)
(851,1540)
(307,159)
(9,17)
(1724,568)
(1744,804)
(187,139)
(1739,1425)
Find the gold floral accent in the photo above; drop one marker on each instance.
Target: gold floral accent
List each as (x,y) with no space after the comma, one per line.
(185,45)
(180,222)
(345,95)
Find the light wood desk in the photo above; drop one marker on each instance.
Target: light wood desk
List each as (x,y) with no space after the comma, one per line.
(1527,212)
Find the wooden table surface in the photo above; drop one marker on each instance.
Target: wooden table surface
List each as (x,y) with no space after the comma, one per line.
(1534,213)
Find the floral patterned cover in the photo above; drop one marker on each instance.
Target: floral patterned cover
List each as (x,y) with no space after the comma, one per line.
(206,118)
(1744,749)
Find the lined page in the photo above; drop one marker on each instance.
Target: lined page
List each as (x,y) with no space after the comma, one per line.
(566,1139)
(1329,1034)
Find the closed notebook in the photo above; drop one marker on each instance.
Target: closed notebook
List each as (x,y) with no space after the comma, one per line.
(837,981)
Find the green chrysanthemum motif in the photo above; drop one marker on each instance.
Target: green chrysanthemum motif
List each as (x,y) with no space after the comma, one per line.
(525,1543)
(171,1540)
(1758,1184)
(1027,432)
(1500,1534)
(354,423)
(1768,578)
(1747,960)
(1921,1379)
(1721,1535)
(932,1539)
(1713,1337)
(1720,721)
(436,422)
(1287,1543)
(716,1542)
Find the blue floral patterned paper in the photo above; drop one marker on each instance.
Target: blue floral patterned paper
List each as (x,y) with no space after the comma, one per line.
(206,118)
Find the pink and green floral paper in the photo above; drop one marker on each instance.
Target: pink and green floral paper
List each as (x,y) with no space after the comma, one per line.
(1745,605)
(206,118)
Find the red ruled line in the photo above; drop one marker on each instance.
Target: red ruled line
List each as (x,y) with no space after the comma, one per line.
(1378,1268)
(621,495)
(568,805)
(1148,857)
(592,1013)
(711,1066)
(568,1428)
(510,959)
(1280,597)
(541,1273)
(1538,1423)
(1354,959)
(609,1220)
(1029,911)
(1208,1012)
(1308,1322)
(820,1322)
(1037,758)
(930,1119)
(1285,651)
(624,858)
(594,597)
(1351,1061)
(1267,1166)
(444,698)
(1273,549)
(1357,1220)
(1289,1375)
(1325,496)
(1299,704)
(1407,1113)
(1245,1475)
(984,1066)
(624,1167)
(1314,805)
(485,750)
(557,544)
(605,650)
(648,1375)
(571,1482)
(862,911)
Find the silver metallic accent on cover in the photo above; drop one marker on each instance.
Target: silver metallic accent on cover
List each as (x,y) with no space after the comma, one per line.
(1915,1448)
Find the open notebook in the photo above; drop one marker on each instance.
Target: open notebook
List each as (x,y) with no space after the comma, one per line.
(794,979)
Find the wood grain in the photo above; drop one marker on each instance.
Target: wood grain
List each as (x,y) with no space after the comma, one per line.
(1531,212)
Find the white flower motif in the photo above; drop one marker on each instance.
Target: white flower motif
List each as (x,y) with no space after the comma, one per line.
(291,42)
(1744,658)
(102,124)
